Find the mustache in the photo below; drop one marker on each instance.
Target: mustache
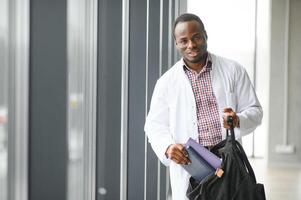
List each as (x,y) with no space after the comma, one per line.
(199,48)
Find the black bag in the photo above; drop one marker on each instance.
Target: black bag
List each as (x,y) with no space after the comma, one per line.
(238,181)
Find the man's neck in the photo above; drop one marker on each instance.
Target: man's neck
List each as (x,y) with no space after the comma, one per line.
(197,66)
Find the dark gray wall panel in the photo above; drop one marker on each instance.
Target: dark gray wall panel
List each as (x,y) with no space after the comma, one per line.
(152,76)
(165,66)
(136,136)
(48,78)
(165,36)
(109,98)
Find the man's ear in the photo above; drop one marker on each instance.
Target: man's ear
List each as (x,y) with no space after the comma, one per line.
(205,34)
(175,42)
(174,38)
(177,45)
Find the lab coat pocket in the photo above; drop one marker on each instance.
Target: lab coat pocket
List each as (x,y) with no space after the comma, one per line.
(231,100)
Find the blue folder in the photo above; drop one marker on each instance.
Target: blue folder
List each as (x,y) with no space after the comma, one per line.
(203,162)
(198,168)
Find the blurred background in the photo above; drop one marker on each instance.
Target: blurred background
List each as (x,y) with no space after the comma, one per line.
(76,78)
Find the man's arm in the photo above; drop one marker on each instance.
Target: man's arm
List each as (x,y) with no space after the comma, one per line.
(157,123)
(158,130)
(248,111)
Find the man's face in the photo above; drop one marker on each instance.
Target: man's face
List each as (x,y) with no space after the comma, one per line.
(191,41)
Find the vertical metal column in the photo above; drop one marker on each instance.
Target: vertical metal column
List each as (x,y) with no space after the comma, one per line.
(124,100)
(146,96)
(18,99)
(254,69)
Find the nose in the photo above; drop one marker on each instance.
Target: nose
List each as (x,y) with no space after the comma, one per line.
(191,44)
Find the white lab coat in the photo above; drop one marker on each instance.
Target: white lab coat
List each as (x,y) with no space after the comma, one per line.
(172,116)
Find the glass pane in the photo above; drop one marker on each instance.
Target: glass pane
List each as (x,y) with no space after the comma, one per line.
(75,103)
(3,96)
(81,98)
(231,33)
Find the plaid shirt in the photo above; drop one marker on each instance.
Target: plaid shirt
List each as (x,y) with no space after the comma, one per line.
(209,125)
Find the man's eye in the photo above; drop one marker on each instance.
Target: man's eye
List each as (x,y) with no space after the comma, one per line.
(183,42)
(197,37)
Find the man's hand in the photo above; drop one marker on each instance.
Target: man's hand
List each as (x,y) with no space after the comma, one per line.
(229,112)
(178,154)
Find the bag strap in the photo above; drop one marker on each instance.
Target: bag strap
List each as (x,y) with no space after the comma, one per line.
(223,142)
(246,161)
(230,136)
(240,149)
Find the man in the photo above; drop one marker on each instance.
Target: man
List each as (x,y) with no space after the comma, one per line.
(193,99)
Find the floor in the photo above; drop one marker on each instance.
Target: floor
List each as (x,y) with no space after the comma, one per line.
(280,183)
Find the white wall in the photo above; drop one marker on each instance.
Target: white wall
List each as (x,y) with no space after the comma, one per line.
(278,92)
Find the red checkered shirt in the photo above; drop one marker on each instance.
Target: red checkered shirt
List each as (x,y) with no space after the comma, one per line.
(209,125)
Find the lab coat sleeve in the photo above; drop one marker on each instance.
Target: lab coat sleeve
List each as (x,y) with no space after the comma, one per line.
(157,123)
(249,109)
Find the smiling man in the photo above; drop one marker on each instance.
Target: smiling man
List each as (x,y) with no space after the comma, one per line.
(193,99)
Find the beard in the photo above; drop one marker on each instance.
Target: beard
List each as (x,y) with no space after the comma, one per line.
(202,54)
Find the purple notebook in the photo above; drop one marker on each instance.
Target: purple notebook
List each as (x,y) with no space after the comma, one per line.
(210,157)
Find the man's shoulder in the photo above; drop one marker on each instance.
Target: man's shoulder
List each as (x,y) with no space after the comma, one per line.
(172,72)
(226,63)
(224,60)
(169,79)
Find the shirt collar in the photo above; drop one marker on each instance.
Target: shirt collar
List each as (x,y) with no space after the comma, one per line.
(207,67)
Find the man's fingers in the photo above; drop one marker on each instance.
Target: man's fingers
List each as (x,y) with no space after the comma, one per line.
(228,110)
(180,159)
(183,150)
(226,126)
(178,154)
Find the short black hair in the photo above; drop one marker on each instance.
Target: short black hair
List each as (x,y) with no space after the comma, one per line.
(185,18)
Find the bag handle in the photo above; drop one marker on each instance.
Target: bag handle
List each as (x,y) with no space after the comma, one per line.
(223,142)
(230,123)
